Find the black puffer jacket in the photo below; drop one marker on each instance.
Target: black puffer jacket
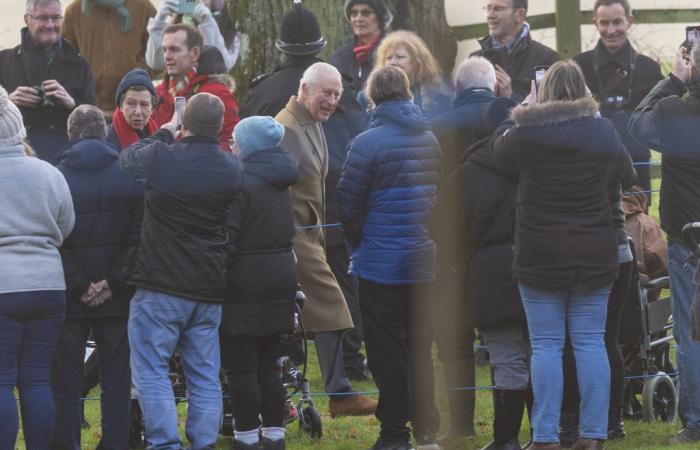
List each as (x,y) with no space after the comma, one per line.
(261,278)
(108,212)
(190,187)
(567,158)
(667,121)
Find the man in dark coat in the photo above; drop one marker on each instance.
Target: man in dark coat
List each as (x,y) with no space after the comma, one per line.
(179,270)
(475,80)
(667,120)
(355,58)
(300,41)
(46,78)
(511,49)
(619,77)
(108,209)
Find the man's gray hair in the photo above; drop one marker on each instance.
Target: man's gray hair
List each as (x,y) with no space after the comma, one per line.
(87,122)
(31,5)
(315,72)
(475,72)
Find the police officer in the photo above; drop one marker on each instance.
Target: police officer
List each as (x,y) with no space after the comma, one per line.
(619,77)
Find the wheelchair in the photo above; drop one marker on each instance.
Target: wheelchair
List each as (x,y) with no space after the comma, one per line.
(293,379)
(645,339)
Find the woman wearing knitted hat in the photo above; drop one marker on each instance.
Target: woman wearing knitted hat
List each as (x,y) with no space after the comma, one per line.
(132,120)
(37,215)
(261,283)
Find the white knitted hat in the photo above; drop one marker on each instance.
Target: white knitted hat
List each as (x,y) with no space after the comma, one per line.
(12,129)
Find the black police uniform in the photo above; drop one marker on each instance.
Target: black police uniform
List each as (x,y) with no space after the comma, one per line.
(620,81)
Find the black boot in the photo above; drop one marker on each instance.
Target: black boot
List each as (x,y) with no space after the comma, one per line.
(269,444)
(458,374)
(568,429)
(615,425)
(508,407)
(238,445)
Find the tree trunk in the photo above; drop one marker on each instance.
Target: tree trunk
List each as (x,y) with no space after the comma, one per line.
(259,21)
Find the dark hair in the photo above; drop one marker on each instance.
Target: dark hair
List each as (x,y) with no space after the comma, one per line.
(387,84)
(625,5)
(227,27)
(194,37)
(138,88)
(520,4)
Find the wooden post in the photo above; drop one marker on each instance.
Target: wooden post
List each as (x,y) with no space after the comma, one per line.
(568,23)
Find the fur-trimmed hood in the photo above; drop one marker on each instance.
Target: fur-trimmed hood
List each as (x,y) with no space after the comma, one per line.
(556,112)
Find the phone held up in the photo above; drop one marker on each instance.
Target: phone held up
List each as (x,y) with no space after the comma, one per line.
(692,34)
(179,110)
(539,74)
(186,6)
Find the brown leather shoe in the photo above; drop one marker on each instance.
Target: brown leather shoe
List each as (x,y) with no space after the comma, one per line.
(544,446)
(354,405)
(588,444)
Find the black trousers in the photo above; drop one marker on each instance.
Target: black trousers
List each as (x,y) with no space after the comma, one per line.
(353,359)
(255,384)
(399,336)
(571,400)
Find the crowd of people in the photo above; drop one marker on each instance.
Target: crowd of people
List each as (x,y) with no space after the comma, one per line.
(408,212)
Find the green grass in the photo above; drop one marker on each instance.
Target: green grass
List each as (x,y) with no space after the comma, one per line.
(352,433)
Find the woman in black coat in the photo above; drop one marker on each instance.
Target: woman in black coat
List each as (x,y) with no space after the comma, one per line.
(261,283)
(108,209)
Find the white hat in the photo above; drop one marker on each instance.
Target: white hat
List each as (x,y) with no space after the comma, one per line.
(12,129)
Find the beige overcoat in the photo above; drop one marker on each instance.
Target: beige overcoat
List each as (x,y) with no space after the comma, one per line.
(325,308)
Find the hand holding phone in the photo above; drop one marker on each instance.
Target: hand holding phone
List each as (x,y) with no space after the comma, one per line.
(180,103)
(186,6)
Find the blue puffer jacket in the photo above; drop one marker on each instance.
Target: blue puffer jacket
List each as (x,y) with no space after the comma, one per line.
(385,195)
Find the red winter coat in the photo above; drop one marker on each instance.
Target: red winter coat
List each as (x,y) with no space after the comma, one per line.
(211,84)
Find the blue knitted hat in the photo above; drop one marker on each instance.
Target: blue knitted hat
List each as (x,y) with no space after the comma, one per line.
(137,77)
(257,133)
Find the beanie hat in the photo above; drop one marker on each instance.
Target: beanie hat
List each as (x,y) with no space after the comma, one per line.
(211,62)
(12,129)
(137,77)
(379,8)
(300,33)
(257,133)
(204,115)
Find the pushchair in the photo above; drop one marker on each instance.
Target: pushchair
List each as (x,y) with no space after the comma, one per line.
(293,378)
(645,339)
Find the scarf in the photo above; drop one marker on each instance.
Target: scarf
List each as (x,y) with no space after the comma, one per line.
(363,51)
(117,6)
(180,88)
(524,31)
(128,135)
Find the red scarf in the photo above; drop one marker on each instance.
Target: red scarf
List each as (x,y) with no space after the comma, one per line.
(125,133)
(362,51)
(178,89)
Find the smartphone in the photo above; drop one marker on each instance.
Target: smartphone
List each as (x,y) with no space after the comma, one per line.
(186,6)
(539,74)
(692,34)
(179,109)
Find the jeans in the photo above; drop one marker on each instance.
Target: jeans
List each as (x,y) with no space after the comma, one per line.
(29,327)
(254,380)
(550,313)
(688,351)
(399,336)
(115,381)
(159,325)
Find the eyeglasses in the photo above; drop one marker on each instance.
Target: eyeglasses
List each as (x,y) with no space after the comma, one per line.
(47,19)
(364,12)
(496,9)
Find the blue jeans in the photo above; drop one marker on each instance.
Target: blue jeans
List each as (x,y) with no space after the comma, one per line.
(115,382)
(550,314)
(159,325)
(29,327)
(688,352)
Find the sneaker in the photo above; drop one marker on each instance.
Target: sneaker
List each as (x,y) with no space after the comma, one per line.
(269,444)
(238,445)
(427,442)
(685,436)
(351,405)
(290,412)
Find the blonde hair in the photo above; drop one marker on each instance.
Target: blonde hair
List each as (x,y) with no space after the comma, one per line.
(387,84)
(426,71)
(564,81)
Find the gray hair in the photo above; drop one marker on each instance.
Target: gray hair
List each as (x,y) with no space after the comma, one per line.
(315,72)
(87,122)
(475,72)
(31,5)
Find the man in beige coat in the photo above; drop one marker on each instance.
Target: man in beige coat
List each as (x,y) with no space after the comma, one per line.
(325,311)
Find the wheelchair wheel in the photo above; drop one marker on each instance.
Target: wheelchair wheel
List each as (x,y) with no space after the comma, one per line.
(310,422)
(659,399)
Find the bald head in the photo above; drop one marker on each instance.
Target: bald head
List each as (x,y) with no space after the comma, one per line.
(204,115)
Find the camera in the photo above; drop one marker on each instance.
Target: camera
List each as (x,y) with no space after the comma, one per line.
(45,101)
(614,102)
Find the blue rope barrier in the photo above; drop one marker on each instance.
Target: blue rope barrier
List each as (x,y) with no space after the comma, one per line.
(324,225)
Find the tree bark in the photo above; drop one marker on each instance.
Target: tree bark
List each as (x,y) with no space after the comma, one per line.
(259,21)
